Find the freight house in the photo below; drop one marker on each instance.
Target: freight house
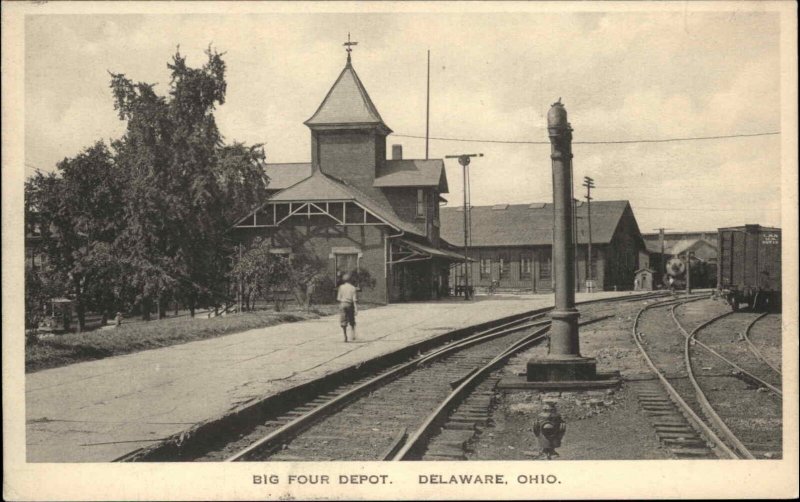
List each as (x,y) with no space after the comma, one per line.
(512,245)
(353,207)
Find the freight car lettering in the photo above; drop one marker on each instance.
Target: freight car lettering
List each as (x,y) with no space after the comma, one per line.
(769,239)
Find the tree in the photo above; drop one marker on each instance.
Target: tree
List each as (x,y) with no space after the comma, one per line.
(78,210)
(261,272)
(184,186)
(305,274)
(242,177)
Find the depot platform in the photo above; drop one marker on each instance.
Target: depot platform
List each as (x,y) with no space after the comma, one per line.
(98,411)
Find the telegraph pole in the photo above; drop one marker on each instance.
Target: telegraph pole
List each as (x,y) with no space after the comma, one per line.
(689,255)
(662,263)
(428,106)
(575,241)
(589,184)
(464,160)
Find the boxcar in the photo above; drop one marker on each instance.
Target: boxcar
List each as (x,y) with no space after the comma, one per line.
(749,266)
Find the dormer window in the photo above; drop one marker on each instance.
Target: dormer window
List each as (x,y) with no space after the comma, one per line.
(420,203)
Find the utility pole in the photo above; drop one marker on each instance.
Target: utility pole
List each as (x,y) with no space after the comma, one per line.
(575,241)
(662,262)
(428,106)
(464,160)
(689,255)
(589,184)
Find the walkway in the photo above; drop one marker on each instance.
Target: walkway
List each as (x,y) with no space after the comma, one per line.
(99,410)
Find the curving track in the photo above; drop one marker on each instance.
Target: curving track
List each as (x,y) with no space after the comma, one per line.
(727,394)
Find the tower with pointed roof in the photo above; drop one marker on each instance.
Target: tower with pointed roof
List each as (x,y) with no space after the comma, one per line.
(348,135)
(355,209)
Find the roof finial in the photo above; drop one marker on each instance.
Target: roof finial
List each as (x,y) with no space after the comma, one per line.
(349,46)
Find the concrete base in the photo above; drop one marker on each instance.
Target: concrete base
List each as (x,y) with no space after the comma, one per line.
(551,369)
(601,381)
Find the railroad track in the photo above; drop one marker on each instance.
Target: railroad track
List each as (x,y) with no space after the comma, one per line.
(393,414)
(716,390)
(747,335)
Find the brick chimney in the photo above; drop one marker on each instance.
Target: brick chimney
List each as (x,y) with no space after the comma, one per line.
(397,152)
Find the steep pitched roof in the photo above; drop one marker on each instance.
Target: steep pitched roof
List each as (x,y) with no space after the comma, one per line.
(347,102)
(528,224)
(284,175)
(320,187)
(412,173)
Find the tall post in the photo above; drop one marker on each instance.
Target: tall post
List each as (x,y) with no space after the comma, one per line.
(464,160)
(589,184)
(563,368)
(428,106)
(688,273)
(466,230)
(575,240)
(564,331)
(661,261)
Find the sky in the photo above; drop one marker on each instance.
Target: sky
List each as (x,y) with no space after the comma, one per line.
(621,76)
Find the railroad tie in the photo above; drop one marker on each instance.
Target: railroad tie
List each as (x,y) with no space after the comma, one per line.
(671,427)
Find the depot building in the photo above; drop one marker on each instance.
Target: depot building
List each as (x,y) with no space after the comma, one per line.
(354,207)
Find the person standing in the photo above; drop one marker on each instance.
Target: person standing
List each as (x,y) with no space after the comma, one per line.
(347,297)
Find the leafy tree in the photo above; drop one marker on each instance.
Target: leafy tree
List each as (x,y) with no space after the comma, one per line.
(242,178)
(304,275)
(262,272)
(79,211)
(185,184)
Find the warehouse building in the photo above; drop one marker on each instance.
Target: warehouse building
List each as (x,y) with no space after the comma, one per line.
(356,209)
(511,245)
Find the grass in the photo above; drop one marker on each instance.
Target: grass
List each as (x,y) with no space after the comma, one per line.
(70,348)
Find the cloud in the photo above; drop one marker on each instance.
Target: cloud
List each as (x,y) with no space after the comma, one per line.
(493,75)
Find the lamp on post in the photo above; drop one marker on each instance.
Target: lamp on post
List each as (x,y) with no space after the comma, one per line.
(464,160)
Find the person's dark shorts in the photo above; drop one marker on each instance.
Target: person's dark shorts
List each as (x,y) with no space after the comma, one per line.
(347,314)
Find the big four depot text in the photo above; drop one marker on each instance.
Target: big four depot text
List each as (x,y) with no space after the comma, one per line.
(423,479)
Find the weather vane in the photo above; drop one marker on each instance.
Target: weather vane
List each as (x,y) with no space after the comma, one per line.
(349,46)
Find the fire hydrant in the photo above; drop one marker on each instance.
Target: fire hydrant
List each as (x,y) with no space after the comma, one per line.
(549,429)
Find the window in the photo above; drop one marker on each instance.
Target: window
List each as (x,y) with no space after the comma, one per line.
(505,267)
(420,203)
(545,265)
(346,263)
(524,266)
(486,268)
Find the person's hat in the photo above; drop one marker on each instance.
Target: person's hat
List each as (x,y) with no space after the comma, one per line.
(346,277)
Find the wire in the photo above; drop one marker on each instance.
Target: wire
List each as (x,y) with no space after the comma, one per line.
(704,209)
(612,142)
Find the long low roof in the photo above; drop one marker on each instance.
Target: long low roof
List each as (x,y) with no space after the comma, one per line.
(528,224)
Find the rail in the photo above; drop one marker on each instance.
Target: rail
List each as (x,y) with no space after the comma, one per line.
(721,448)
(754,349)
(296,426)
(431,424)
(708,409)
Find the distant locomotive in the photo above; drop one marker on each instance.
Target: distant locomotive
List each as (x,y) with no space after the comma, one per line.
(749,266)
(701,273)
